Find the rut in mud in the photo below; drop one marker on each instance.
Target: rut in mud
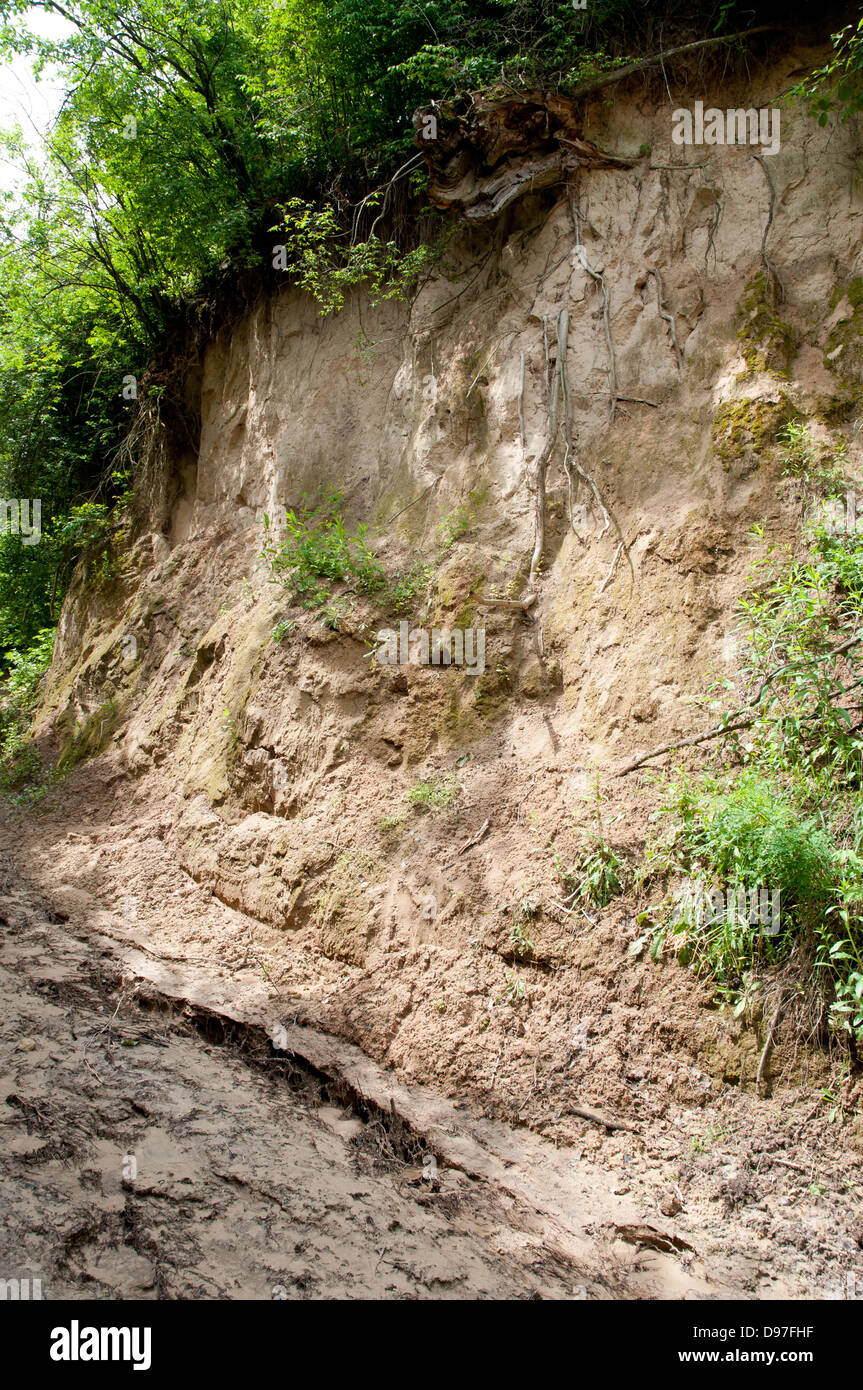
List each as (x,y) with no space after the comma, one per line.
(141,1160)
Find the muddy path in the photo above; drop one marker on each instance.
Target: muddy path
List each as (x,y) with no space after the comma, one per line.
(156,1144)
(142,1159)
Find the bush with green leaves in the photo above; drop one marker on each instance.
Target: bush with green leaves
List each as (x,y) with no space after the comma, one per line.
(746,832)
(788,815)
(316,546)
(19,758)
(598,873)
(405,590)
(838,85)
(798,635)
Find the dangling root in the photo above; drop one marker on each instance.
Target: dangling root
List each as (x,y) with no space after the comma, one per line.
(606,306)
(610,575)
(559,383)
(542,461)
(773,274)
(521,407)
(669,318)
(585,476)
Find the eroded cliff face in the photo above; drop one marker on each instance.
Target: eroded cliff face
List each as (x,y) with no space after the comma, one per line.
(253,791)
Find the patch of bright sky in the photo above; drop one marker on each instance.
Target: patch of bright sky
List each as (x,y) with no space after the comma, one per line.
(32,105)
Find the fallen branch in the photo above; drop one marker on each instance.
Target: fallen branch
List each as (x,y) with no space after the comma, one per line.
(684,743)
(514,605)
(596,84)
(786,1163)
(806,661)
(653,1239)
(524,799)
(597,1117)
(468,844)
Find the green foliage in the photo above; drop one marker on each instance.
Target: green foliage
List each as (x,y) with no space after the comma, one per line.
(316,547)
(823,468)
(838,85)
(89,737)
(328,264)
(519,941)
(404,591)
(283,629)
(791,624)
(789,817)
(744,832)
(597,875)
(514,991)
(434,794)
(454,525)
(19,757)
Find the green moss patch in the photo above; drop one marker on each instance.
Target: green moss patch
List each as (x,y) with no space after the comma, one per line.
(767,343)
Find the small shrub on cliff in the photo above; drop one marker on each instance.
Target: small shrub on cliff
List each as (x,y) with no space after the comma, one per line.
(788,815)
(318,547)
(744,833)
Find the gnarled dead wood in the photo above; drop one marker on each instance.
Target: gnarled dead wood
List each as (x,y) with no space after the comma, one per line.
(487,151)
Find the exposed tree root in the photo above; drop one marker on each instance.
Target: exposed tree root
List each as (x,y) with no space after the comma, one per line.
(511,334)
(599,279)
(745,717)
(612,365)
(772,272)
(669,318)
(610,575)
(714,226)
(585,476)
(542,461)
(521,407)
